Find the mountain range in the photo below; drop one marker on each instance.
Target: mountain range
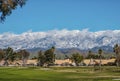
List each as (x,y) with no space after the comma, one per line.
(61,39)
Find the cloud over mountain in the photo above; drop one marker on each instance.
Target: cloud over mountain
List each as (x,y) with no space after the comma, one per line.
(83,39)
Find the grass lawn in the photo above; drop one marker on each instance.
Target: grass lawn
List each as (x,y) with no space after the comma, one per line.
(59,74)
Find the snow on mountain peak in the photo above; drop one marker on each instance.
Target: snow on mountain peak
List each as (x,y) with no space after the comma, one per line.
(83,39)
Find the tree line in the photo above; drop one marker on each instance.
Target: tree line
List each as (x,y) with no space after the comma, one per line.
(116,50)
(8,55)
(48,57)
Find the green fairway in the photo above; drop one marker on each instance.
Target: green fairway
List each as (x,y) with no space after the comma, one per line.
(59,74)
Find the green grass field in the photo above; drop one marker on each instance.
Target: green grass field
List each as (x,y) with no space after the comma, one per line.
(59,74)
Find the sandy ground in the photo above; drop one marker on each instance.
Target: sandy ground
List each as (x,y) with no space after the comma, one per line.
(86,61)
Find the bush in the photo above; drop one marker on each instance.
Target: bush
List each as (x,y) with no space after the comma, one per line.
(111,64)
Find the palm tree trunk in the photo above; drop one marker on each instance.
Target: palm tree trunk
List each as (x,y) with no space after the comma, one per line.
(90,63)
(23,62)
(117,60)
(100,62)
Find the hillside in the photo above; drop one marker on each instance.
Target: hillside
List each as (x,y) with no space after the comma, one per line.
(60,39)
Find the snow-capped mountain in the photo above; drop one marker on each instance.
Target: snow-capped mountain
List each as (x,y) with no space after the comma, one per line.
(60,39)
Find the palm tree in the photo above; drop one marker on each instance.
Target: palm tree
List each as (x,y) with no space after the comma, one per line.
(100,55)
(90,55)
(117,52)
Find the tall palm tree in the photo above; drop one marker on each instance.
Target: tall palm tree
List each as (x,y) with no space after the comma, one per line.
(117,52)
(90,56)
(53,51)
(100,51)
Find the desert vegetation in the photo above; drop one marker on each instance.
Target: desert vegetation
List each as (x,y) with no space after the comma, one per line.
(48,57)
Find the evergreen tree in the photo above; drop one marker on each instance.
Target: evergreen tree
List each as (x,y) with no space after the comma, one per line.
(12,57)
(50,56)
(41,58)
(8,55)
(24,55)
(6,7)
(77,58)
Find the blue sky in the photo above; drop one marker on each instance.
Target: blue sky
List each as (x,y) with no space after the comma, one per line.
(44,15)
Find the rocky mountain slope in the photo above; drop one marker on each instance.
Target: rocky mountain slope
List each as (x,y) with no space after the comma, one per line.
(82,40)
